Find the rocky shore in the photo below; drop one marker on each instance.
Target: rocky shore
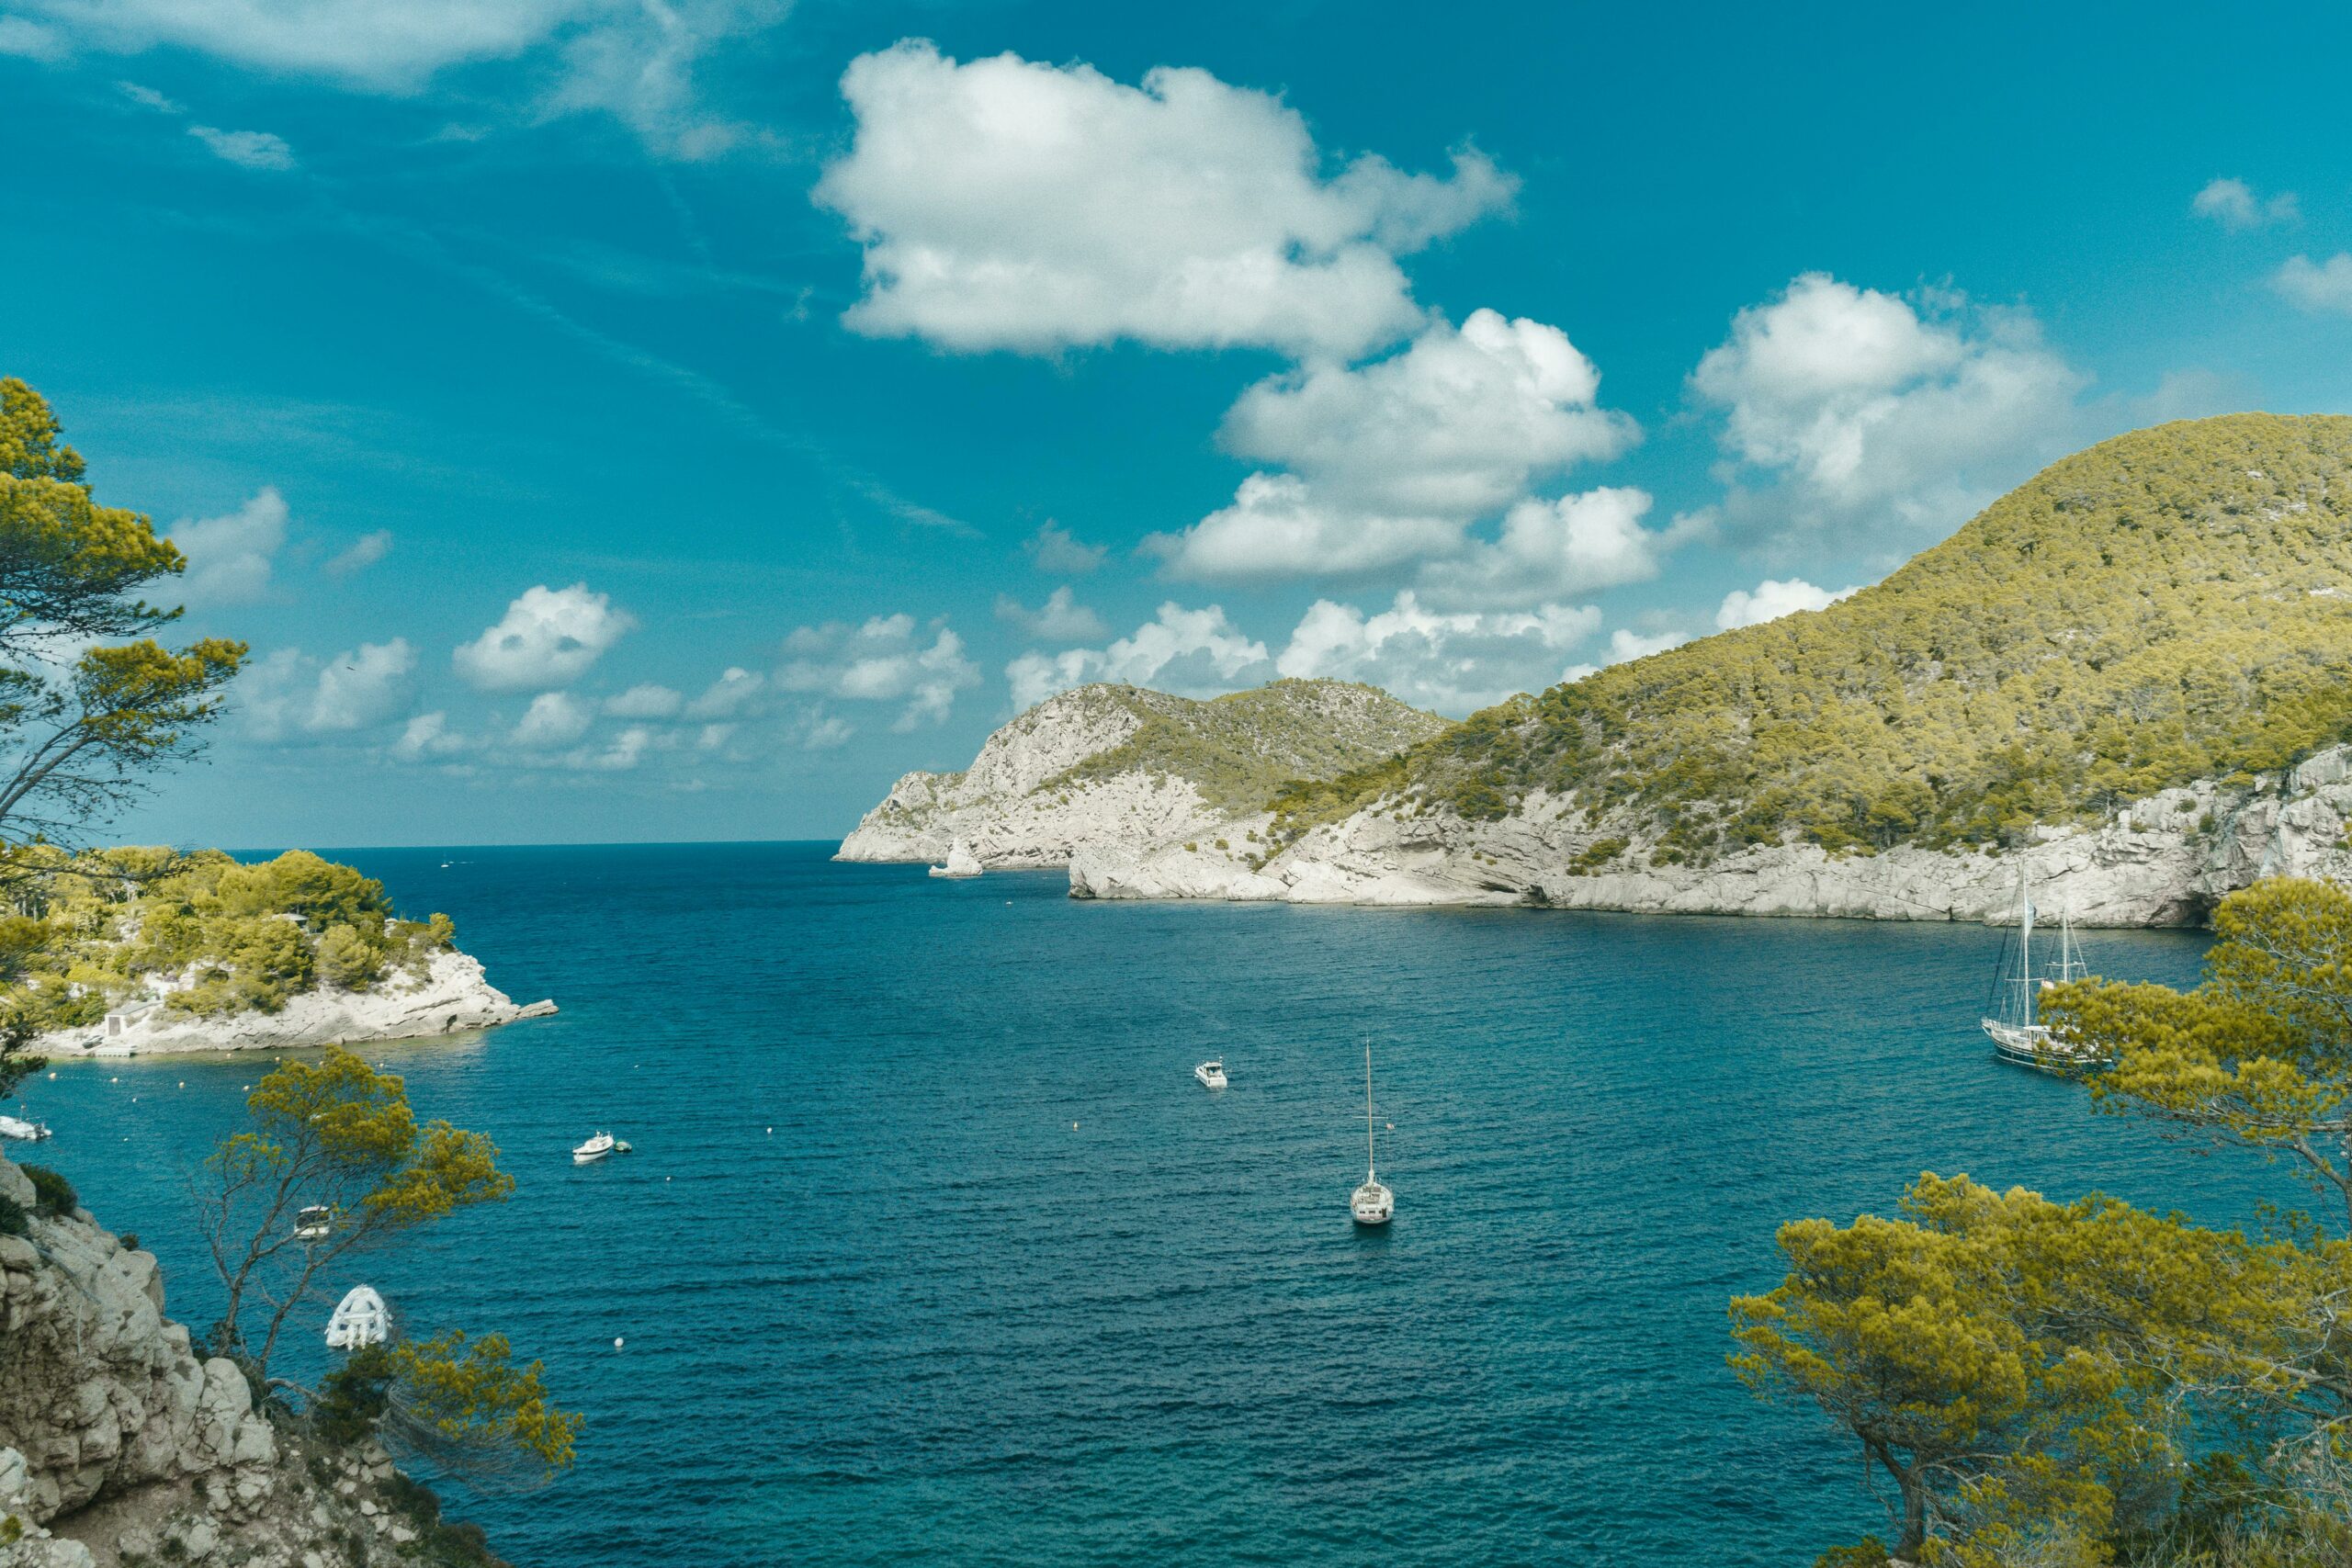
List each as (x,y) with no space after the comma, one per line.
(2164,861)
(120,1445)
(451,997)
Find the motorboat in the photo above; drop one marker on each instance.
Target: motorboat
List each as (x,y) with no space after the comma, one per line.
(595,1149)
(361,1319)
(314,1224)
(1211,1074)
(26,1132)
(1371,1203)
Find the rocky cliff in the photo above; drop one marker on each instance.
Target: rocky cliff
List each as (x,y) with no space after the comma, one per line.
(451,995)
(118,1444)
(2164,860)
(1120,766)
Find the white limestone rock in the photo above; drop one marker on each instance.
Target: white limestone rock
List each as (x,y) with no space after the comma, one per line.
(451,996)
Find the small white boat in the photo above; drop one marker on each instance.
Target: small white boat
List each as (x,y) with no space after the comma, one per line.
(595,1149)
(1371,1204)
(28,1131)
(2015,1025)
(314,1224)
(961,862)
(360,1319)
(1211,1074)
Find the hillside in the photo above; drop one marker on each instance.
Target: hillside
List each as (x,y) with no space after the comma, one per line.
(152,950)
(1108,763)
(2145,638)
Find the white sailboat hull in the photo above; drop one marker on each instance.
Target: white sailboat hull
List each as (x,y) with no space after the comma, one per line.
(1372,1204)
(2032,1045)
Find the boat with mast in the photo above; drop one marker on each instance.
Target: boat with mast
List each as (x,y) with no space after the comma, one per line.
(1371,1204)
(2013,1021)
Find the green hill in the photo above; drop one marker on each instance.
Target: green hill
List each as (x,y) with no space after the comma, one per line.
(2170,605)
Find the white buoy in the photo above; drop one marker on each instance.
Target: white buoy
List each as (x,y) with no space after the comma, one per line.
(617,1342)
(771,1131)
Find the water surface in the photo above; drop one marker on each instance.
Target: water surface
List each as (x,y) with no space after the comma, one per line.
(932,1250)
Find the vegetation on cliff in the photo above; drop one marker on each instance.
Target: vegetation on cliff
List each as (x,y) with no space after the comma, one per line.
(1239,749)
(2170,605)
(93,928)
(2074,1385)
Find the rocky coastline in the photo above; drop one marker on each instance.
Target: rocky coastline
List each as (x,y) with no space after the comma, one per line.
(120,1445)
(451,996)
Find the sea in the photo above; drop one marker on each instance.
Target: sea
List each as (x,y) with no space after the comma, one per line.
(931,1249)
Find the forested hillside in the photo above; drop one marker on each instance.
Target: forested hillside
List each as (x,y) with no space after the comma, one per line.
(2172,604)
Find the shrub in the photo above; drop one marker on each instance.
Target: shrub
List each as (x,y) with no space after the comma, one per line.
(351,1398)
(127,1241)
(13,1219)
(53,1194)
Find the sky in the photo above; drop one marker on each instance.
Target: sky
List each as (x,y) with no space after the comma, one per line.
(623,421)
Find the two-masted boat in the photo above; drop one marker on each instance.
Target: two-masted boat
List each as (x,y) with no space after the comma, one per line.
(2013,1017)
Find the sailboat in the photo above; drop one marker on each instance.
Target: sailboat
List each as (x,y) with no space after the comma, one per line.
(1371,1203)
(2014,1023)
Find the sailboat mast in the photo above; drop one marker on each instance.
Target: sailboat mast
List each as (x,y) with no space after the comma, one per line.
(1369,1160)
(2025,944)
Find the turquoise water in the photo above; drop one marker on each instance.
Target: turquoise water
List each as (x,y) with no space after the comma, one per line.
(933,1251)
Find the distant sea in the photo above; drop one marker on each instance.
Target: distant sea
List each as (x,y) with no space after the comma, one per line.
(932,1250)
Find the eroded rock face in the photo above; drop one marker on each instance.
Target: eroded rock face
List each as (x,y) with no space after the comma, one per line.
(2159,862)
(117,1443)
(452,995)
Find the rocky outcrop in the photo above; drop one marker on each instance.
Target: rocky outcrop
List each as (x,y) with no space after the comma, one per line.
(119,1444)
(1123,766)
(2162,860)
(451,996)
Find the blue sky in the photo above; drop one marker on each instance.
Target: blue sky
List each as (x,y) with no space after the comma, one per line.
(617,422)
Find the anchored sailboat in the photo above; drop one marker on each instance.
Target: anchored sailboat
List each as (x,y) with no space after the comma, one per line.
(1371,1204)
(2014,1023)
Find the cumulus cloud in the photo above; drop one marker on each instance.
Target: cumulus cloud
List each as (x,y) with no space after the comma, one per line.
(1549,551)
(2317,287)
(1452,663)
(1878,415)
(427,735)
(884,660)
(287,695)
(1059,619)
(1772,599)
(361,553)
(1390,463)
(1054,551)
(548,637)
(1196,653)
(1005,204)
(728,695)
(645,700)
(246,148)
(230,556)
(28,40)
(822,731)
(554,719)
(2233,204)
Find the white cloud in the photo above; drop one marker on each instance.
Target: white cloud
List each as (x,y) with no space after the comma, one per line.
(628,58)
(822,731)
(1390,463)
(645,700)
(548,637)
(25,38)
(1626,643)
(554,719)
(228,557)
(1878,420)
(1059,619)
(727,695)
(882,660)
(2233,204)
(623,752)
(1772,599)
(1454,664)
(1005,204)
(289,695)
(246,148)
(361,553)
(1190,652)
(1550,551)
(2317,287)
(148,98)
(426,735)
(1054,551)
